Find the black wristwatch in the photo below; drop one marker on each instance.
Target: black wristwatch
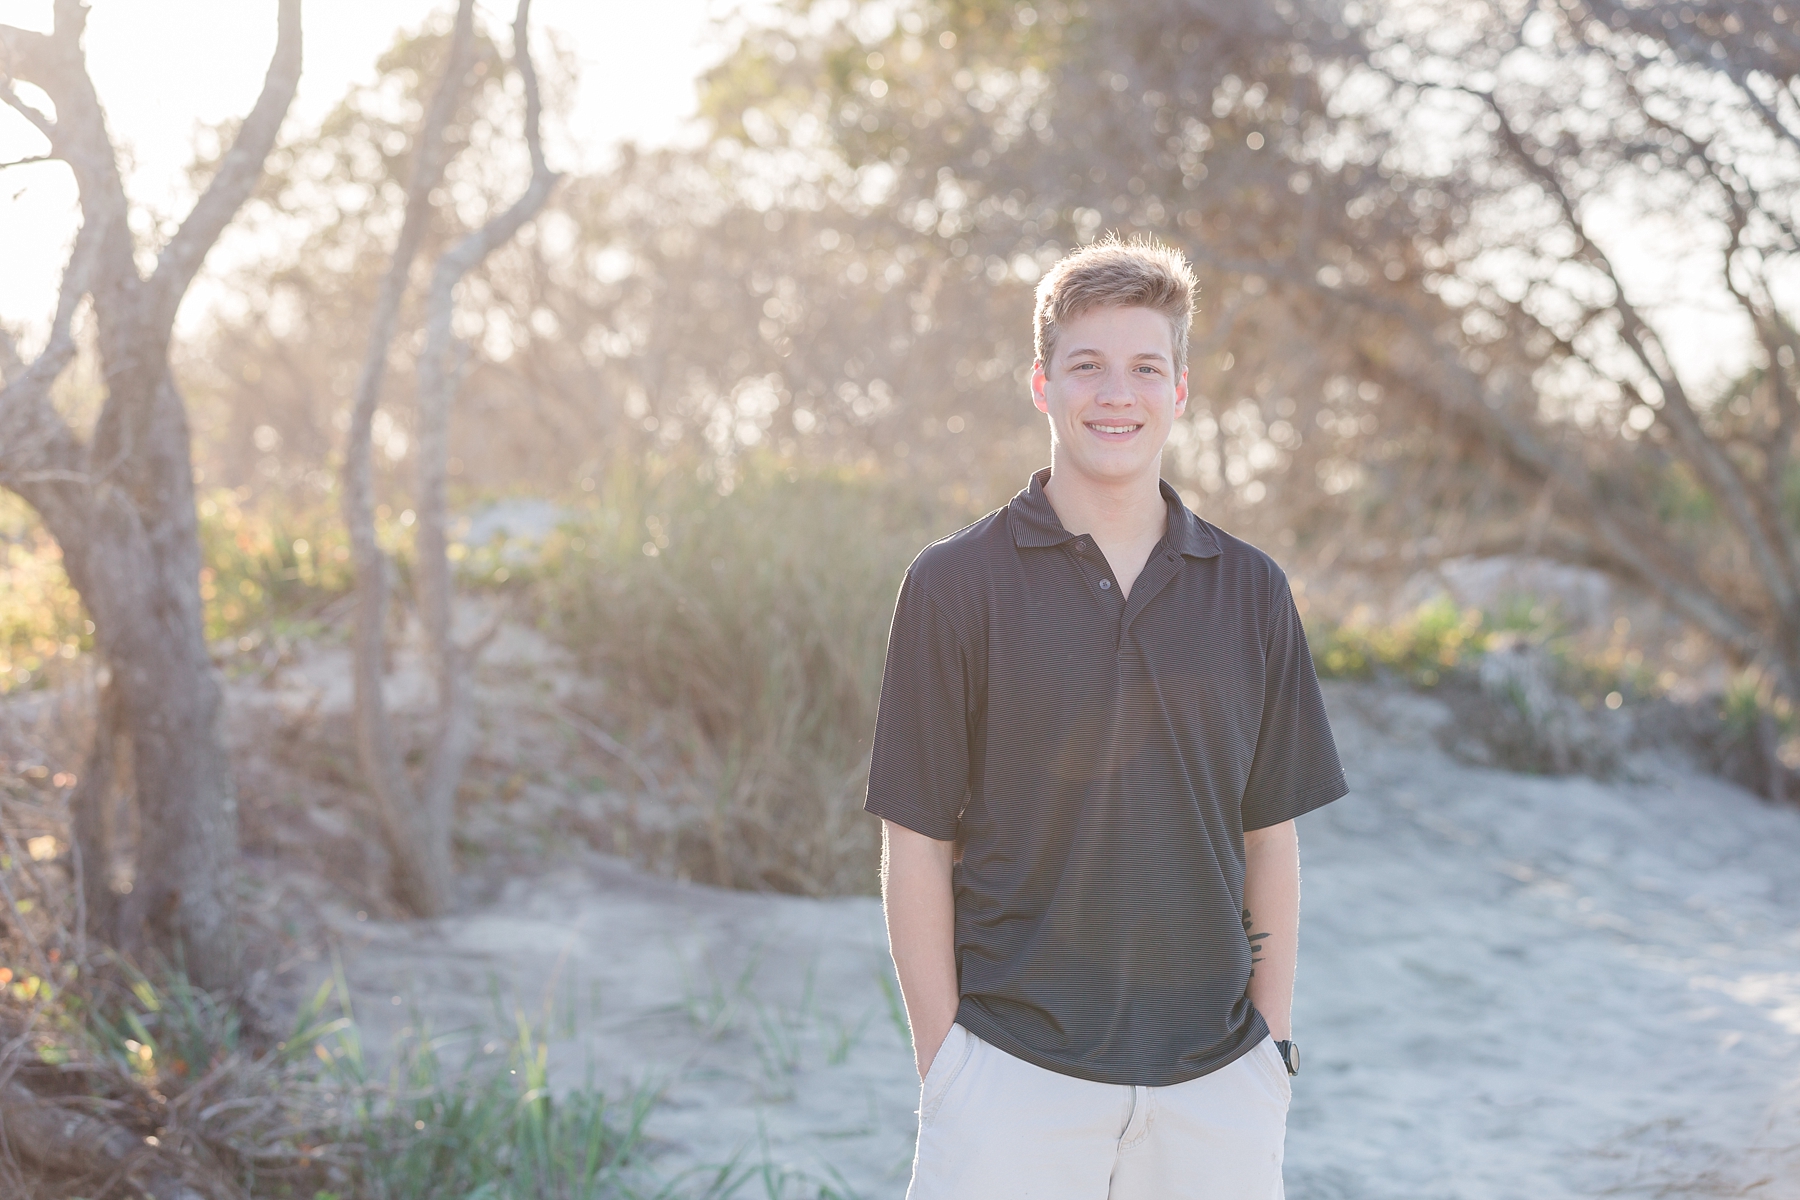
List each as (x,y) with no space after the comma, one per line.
(1290,1055)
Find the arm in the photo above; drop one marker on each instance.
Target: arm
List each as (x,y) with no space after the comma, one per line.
(1272,921)
(921,922)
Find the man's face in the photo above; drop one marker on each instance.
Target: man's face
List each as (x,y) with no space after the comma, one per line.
(1112,394)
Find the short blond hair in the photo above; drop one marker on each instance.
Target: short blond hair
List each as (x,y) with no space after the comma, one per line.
(1141,273)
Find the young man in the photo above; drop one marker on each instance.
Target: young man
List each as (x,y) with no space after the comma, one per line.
(1098,722)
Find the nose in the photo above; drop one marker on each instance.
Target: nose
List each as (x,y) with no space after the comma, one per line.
(1115,387)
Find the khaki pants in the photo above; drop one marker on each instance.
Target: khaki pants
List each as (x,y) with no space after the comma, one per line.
(994,1127)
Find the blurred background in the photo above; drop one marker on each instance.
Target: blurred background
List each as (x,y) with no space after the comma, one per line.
(1495,355)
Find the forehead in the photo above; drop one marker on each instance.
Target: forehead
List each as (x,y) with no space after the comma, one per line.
(1117,330)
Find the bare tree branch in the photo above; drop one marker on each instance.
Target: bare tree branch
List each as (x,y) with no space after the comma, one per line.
(1759,527)
(436,380)
(236,176)
(1456,388)
(396,803)
(437,389)
(36,444)
(13,101)
(78,136)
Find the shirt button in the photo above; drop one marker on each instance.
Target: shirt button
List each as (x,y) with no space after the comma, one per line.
(1105,583)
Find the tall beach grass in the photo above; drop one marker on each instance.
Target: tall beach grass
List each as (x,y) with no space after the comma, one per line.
(746,634)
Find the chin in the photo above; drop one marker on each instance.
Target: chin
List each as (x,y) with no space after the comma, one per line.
(1115,470)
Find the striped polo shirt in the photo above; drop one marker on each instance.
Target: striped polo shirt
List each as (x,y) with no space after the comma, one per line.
(1097,758)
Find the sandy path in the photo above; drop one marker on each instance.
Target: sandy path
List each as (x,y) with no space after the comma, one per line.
(1510,987)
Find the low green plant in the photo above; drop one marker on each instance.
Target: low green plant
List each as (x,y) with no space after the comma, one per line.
(309,1115)
(488,1129)
(896,1007)
(762,1177)
(164,1030)
(1437,638)
(1750,704)
(710,1004)
(841,1037)
(41,618)
(267,563)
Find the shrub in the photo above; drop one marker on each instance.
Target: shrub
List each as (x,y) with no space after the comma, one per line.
(267,566)
(41,619)
(750,630)
(1436,639)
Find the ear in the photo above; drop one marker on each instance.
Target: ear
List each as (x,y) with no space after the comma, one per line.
(1038,378)
(1181,393)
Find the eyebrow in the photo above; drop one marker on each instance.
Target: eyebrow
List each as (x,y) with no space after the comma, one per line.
(1158,355)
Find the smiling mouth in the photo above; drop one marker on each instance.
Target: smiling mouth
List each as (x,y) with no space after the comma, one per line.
(1105,427)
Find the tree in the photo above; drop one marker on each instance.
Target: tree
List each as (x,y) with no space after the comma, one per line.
(1562,137)
(996,135)
(1409,220)
(120,503)
(416,819)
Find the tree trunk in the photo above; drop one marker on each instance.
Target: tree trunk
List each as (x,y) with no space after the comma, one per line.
(93,811)
(121,503)
(416,819)
(135,560)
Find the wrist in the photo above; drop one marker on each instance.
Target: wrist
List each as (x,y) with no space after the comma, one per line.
(1289,1053)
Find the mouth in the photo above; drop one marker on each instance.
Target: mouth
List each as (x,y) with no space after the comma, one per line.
(1114,429)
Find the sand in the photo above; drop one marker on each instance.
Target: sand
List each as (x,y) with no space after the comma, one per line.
(1510,986)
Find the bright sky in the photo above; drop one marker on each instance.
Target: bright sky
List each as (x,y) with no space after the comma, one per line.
(163,68)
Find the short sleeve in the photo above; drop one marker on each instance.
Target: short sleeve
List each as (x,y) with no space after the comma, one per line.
(919,766)
(1296,768)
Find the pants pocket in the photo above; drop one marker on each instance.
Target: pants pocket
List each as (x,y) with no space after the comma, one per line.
(946,1065)
(1273,1068)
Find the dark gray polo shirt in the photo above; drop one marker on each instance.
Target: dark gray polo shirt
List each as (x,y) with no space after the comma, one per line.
(1099,760)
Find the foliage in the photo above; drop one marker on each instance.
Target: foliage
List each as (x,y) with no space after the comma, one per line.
(306,1115)
(295,1111)
(748,632)
(1749,703)
(1436,639)
(491,1128)
(1439,641)
(267,564)
(41,618)
(269,567)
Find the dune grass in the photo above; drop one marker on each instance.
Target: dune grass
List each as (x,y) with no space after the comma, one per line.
(747,634)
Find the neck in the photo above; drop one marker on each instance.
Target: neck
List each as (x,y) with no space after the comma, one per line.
(1108,509)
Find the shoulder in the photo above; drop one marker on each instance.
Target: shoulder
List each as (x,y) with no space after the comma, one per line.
(1249,570)
(952,567)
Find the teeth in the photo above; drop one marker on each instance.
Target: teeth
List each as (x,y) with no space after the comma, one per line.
(1112,428)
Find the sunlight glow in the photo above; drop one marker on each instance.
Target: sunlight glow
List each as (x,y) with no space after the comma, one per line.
(165,69)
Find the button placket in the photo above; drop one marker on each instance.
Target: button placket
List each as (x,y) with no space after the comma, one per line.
(1082,556)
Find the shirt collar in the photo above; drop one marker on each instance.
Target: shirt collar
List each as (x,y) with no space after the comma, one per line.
(1035,523)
